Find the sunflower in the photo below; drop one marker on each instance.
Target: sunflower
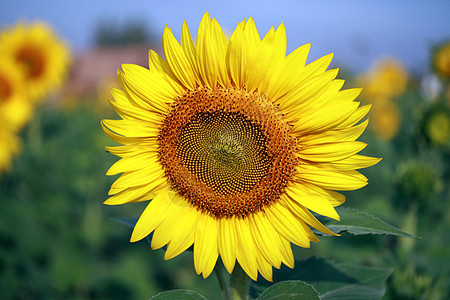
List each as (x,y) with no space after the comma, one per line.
(235,143)
(441,60)
(387,79)
(15,108)
(43,57)
(386,120)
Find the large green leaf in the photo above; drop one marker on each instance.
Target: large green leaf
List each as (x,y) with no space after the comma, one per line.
(332,280)
(178,295)
(357,222)
(293,289)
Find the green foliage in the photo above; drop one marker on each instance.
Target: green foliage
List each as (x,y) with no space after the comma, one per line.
(333,280)
(293,289)
(178,295)
(357,222)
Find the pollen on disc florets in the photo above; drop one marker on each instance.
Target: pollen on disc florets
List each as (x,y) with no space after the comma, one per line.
(227,151)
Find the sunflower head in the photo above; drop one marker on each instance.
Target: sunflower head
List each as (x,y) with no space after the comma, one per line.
(386,120)
(387,79)
(15,108)
(234,143)
(41,55)
(441,60)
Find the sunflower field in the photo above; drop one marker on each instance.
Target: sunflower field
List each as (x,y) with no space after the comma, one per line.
(59,240)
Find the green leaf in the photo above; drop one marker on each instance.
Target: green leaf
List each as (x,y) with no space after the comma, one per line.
(332,280)
(178,295)
(290,290)
(357,222)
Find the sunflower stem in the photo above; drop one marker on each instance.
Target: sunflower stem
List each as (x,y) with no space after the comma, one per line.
(221,279)
(239,284)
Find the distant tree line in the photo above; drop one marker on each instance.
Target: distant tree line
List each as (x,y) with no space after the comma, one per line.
(110,33)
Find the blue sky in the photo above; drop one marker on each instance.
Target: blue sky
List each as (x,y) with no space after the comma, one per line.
(357,31)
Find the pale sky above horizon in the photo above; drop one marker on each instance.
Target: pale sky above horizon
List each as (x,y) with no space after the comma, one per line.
(358,32)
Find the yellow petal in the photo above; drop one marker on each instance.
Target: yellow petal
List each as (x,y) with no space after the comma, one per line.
(149,86)
(333,197)
(316,67)
(177,60)
(304,214)
(264,267)
(335,135)
(236,58)
(157,64)
(133,149)
(148,175)
(285,77)
(328,152)
(205,245)
(341,180)
(188,47)
(356,116)
(314,202)
(287,225)
(259,62)
(153,215)
(131,128)
(227,243)
(127,110)
(135,194)
(266,239)
(119,138)
(324,118)
(246,248)
(183,233)
(308,91)
(133,163)
(355,162)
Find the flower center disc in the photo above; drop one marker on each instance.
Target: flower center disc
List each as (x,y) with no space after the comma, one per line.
(33,61)
(6,89)
(224,150)
(228,152)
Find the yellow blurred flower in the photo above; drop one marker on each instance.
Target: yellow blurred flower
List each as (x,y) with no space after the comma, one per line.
(43,57)
(438,128)
(15,108)
(9,146)
(387,79)
(386,120)
(442,60)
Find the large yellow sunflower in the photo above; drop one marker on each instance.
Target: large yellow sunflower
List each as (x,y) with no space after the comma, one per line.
(234,143)
(43,57)
(15,108)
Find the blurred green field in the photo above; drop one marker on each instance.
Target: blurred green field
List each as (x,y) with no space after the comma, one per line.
(58,241)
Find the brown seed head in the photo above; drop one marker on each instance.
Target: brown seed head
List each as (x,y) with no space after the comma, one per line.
(226,151)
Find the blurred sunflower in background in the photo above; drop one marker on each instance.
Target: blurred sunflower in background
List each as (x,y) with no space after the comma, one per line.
(42,56)
(386,120)
(15,108)
(441,60)
(235,143)
(387,79)
(383,84)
